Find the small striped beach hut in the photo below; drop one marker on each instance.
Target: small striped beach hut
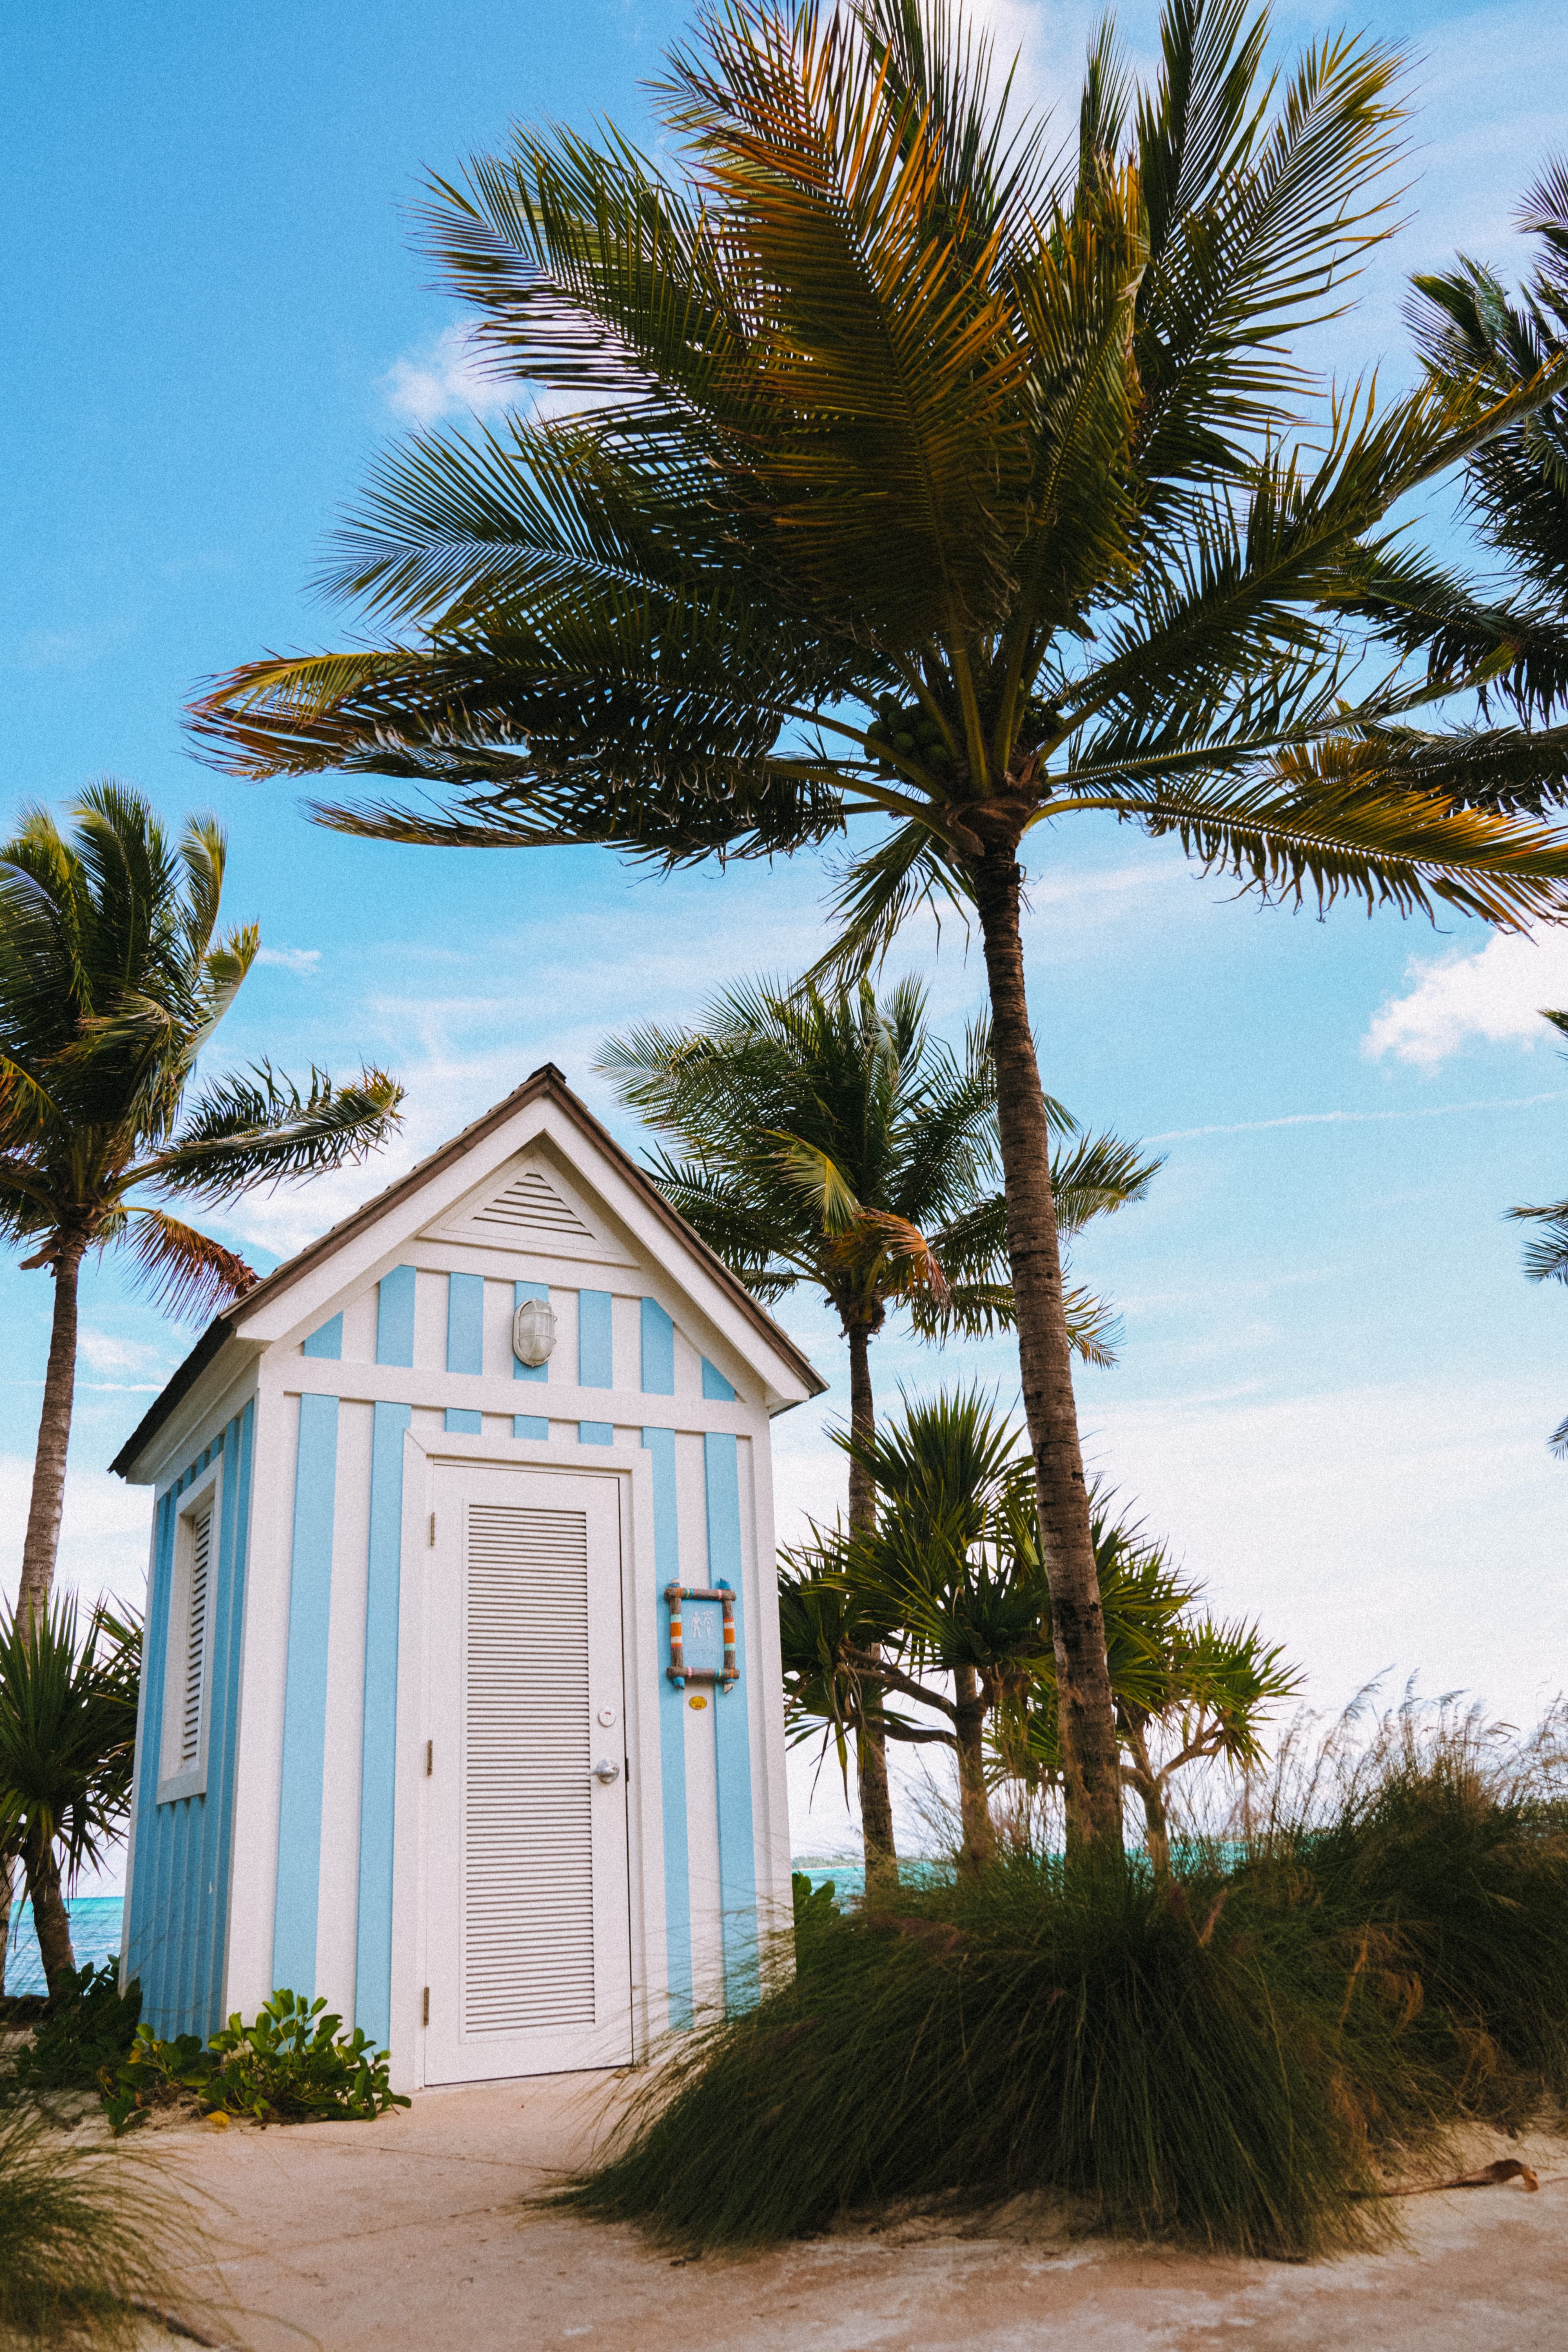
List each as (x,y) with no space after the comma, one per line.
(462,1701)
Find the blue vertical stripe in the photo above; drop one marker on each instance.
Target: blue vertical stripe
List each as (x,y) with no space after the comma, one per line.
(595,1367)
(521,1292)
(305,1697)
(731,1737)
(715,1387)
(378,1766)
(530,1425)
(395,1316)
(465,1323)
(660,1443)
(465,1343)
(657,1351)
(326,1341)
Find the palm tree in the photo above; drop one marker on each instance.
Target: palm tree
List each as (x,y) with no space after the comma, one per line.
(68,1739)
(1516,496)
(952,1583)
(1546,1254)
(112,979)
(1189,1688)
(833,1143)
(920,475)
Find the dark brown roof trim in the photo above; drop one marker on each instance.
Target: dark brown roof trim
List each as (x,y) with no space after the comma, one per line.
(546,1080)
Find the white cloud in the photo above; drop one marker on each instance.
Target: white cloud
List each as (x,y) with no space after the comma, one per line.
(1496,994)
(445,378)
(302,960)
(102,1351)
(103,1530)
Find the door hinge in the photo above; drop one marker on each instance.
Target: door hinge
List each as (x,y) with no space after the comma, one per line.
(429,1758)
(424,2018)
(432,1530)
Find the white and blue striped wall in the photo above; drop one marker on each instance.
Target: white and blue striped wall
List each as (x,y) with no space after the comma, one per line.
(315,1829)
(177,1899)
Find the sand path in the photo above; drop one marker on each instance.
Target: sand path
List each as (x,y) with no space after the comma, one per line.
(407,2232)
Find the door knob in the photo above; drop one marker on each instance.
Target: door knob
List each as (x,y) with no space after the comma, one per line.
(607,1769)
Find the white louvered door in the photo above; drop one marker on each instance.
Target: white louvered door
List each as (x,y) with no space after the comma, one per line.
(528,1929)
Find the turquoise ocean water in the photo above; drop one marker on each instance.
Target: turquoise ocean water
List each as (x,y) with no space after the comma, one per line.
(95,1924)
(95,1938)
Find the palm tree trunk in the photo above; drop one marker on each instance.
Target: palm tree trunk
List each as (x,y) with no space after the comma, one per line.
(6,1881)
(870,1742)
(1088,1716)
(42,1543)
(1156,1823)
(51,1923)
(974,1806)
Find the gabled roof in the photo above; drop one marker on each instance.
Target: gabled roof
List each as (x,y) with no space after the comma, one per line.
(546,1082)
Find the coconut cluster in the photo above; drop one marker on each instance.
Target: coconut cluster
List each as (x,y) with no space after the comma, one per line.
(911,731)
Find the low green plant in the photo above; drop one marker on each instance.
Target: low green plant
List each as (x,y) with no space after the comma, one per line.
(814,1905)
(293,2064)
(86,2237)
(86,2026)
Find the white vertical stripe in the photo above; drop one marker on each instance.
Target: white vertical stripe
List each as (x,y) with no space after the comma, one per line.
(430,1295)
(359,1328)
(688,1365)
(625,1329)
(337,1902)
(500,1299)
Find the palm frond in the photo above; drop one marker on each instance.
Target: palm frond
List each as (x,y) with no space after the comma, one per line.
(184,1274)
(258,1126)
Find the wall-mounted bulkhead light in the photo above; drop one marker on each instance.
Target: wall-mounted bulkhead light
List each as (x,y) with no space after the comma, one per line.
(533,1331)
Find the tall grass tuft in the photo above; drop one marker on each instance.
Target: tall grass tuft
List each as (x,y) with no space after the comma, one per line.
(84,2234)
(1373,1950)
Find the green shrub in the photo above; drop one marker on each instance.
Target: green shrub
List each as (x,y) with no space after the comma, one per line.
(291,2064)
(1373,1950)
(81,2029)
(84,2235)
(1029,2030)
(1436,1849)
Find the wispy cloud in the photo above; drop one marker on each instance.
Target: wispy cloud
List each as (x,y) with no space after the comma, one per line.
(1359,1117)
(105,1351)
(300,960)
(1495,995)
(445,378)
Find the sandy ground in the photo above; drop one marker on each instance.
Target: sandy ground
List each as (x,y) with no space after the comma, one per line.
(408,2232)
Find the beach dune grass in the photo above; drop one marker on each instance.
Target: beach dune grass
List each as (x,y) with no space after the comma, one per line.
(86,2237)
(1238,2061)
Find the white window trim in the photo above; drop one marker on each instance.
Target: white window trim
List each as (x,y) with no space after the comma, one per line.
(202,1494)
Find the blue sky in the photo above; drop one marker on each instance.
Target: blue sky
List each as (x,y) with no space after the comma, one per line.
(1335,1384)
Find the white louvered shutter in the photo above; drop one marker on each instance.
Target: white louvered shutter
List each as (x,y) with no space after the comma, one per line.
(528,1877)
(195,1641)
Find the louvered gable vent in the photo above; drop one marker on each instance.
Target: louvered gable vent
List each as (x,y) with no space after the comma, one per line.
(531,1204)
